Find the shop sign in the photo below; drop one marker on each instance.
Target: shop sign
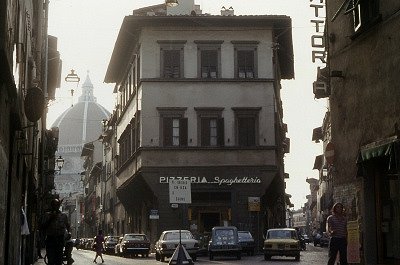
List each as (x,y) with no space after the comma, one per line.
(180,191)
(353,242)
(154,214)
(214,180)
(254,204)
(318,39)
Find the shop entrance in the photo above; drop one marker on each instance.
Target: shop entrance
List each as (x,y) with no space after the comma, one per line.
(209,220)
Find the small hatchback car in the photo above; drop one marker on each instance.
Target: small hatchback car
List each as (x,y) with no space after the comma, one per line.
(224,242)
(247,243)
(169,240)
(281,242)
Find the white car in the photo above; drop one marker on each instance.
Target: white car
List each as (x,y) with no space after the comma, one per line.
(169,240)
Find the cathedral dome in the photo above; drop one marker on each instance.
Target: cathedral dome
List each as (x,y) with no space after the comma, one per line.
(81,123)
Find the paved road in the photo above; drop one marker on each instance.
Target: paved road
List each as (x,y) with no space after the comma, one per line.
(312,256)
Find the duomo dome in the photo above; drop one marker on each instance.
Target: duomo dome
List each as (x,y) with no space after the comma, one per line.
(79,124)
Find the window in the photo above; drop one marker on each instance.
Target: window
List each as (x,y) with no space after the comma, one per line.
(245,59)
(209,58)
(246,126)
(171,58)
(211,126)
(209,64)
(174,127)
(365,13)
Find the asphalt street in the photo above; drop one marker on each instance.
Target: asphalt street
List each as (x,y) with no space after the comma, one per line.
(313,255)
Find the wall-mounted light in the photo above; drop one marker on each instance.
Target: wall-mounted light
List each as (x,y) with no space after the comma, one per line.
(171,3)
(59,163)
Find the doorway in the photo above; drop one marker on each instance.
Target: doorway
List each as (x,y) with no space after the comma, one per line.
(209,220)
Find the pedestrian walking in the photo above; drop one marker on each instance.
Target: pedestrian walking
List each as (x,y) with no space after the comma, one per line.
(336,226)
(98,245)
(55,225)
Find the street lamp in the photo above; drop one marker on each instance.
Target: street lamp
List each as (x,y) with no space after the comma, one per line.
(59,163)
(72,78)
(171,3)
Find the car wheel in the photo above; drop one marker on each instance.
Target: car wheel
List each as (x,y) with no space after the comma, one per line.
(252,253)
(315,244)
(211,256)
(297,258)
(147,255)
(267,257)
(239,255)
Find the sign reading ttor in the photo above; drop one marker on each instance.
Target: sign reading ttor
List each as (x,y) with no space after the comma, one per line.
(180,191)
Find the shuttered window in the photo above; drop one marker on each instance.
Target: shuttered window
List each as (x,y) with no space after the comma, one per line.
(209,64)
(247,131)
(245,64)
(175,131)
(171,67)
(212,131)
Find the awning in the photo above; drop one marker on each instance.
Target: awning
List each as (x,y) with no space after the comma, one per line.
(384,147)
(389,148)
(319,161)
(317,134)
(134,190)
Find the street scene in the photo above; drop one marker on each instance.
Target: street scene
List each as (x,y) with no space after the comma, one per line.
(313,255)
(198,131)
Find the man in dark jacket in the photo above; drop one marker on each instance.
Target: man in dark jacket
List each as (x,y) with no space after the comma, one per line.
(55,226)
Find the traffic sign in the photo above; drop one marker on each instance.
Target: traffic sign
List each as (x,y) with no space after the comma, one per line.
(180,191)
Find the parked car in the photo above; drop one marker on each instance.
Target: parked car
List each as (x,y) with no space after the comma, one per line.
(89,243)
(109,244)
(282,242)
(321,240)
(247,243)
(224,242)
(169,240)
(134,244)
(306,238)
(117,246)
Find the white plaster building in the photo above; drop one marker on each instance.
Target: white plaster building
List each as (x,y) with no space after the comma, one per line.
(199,99)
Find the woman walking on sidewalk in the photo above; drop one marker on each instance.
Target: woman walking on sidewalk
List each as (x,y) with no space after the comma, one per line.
(98,245)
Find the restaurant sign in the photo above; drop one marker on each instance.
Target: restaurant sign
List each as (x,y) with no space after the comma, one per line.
(214,180)
(318,39)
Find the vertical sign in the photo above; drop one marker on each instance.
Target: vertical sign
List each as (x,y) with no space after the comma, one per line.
(353,242)
(180,191)
(317,39)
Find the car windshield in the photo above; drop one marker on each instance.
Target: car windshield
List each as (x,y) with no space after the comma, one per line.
(278,234)
(175,235)
(112,239)
(244,236)
(135,237)
(225,236)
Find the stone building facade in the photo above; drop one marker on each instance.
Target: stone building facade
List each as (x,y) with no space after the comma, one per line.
(199,99)
(28,80)
(362,78)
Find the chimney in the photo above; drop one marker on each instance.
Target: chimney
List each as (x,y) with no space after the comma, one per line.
(227,12)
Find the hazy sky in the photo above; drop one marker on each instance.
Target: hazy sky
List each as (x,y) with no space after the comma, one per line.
(87,31)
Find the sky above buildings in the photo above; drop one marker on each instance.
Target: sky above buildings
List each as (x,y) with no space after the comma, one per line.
(87,31)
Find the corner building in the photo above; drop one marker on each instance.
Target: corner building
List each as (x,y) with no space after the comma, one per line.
(199,99)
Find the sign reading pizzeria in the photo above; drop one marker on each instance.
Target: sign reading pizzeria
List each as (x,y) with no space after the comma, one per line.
(213,180)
